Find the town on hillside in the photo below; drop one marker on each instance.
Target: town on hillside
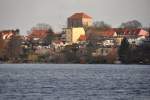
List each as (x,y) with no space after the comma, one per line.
(81,41)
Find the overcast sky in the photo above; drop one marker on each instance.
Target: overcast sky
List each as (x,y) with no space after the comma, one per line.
(24,14)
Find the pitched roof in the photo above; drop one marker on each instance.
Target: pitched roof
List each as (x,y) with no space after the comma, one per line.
(105,33)
(79,16)
(136,32)
(7,34)
(118,31)
(38,34)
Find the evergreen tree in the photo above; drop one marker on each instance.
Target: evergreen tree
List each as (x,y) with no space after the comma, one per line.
(124,50)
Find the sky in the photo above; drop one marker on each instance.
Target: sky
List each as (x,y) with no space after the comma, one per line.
(24,14)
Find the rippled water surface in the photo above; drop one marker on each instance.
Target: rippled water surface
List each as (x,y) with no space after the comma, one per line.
(74,82)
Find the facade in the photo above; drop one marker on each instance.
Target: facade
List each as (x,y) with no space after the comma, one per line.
(79,20)
(118,40)
(136,40)
(108,42)
(146,42)
(103,51)
(134,36)
(73,34)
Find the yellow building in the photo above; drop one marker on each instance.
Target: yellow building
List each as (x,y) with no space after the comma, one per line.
(118,40)
(79,20)
(73,34)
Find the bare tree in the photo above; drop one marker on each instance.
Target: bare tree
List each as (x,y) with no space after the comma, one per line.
(13,48)
(134,24)
(101,25)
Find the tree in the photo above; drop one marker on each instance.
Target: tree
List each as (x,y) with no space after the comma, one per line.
(13,48)
(124,50)
(49,37)
(17,31)
(44,32)
(112,56)
(2,46)
(134,24)
(101,25)
(32,57)
(70,53)
(41,26)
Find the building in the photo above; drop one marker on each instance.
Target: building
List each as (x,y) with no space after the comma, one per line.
(102,51)
(8,34)
(40,31)
(108,42)
(101,33)
(101,37)
(134,36)
(38,34)
(75,27)
(79,20)
(131,32)
(73,34)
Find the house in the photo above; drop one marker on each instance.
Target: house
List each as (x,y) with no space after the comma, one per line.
(40,36)
(79,20)
(134,36)
(109,42)
(101,37)
(146,42)
(101,51)
(105,54)
(58,45)
(8,34)
(131,32)
(96,34)
(73,34)
(37,34)
(40,32)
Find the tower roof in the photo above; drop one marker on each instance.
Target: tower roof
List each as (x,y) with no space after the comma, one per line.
(80,16)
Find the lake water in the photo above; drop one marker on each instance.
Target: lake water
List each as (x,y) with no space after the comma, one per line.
(74,82)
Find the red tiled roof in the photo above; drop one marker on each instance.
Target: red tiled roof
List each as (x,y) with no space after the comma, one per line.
(119,31)
(82,38)
(38,34)
(127,31)
(80,16)
(7,34)
(107,33)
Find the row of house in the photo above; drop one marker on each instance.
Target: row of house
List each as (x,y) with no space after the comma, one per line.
(75,32)
(104,42)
